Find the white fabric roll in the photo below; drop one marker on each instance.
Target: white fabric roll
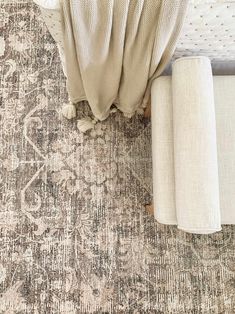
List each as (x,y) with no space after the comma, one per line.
(195,147)
(162,151)
(224,92)
(162,148)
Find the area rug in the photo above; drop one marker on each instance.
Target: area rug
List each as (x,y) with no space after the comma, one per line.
(75,236)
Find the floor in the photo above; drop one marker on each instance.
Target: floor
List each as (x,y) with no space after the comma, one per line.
(74,233)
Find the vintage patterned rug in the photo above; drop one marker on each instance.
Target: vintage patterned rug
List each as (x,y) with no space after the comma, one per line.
(74,234)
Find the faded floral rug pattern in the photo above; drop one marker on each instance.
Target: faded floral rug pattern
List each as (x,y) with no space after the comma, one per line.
(74,234)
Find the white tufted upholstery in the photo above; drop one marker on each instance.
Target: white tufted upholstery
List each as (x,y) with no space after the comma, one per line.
(209,30)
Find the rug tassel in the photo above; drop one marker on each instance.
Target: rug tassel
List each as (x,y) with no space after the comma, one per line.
(86,124)
(69,110)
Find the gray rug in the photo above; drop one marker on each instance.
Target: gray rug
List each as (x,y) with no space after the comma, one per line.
(74,234)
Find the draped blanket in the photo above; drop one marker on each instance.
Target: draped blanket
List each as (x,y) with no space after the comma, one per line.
(113,49)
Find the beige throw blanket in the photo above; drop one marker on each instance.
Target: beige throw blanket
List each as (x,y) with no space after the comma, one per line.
(113,49)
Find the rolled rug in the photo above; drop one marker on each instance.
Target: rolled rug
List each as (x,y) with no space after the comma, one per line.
(163,142)
(224,92)
(162,151)
(195,148)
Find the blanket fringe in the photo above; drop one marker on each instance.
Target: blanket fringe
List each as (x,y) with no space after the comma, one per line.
(69,110)
(86,124)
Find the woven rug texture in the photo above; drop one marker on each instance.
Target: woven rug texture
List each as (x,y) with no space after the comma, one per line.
(74,233)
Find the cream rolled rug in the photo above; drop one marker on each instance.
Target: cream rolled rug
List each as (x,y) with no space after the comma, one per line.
(163,151)
(195,146)
(193,127)
(112,50)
